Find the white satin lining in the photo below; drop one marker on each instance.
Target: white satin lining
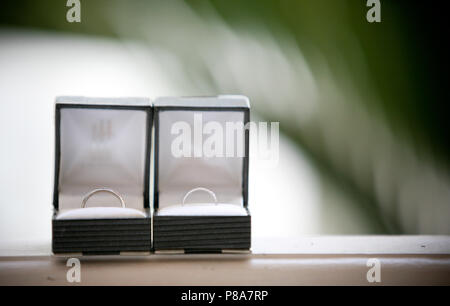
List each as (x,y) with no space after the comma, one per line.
(178,175)
(100,213)
(209,209)
(102,148)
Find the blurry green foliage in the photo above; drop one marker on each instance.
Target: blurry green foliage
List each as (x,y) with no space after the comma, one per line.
(405,56)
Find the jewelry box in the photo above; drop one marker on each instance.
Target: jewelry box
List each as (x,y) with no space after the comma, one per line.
(201,147)
(101,183)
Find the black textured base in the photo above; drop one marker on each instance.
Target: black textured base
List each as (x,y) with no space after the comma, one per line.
(199,234)
(100,237)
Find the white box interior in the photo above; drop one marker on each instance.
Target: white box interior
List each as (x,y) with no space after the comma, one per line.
(102,148)
(178,175)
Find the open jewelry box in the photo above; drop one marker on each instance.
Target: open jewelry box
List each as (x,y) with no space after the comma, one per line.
(201,174)
(102,162)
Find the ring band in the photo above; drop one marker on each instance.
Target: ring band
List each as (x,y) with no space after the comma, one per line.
(200,189)
(90,194)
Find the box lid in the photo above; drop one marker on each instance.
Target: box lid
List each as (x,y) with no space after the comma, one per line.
(221,101)
(175,174)
(102,143)
(99,101)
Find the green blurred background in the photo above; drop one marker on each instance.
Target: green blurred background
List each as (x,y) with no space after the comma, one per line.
(366,103)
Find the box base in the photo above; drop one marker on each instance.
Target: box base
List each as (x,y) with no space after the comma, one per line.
(101,237)
(201,234)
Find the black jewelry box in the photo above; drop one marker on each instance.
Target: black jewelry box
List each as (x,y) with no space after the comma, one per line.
(102,161)
(211,171)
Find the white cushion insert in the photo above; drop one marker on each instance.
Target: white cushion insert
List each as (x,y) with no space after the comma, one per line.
(203,210)
(100,213)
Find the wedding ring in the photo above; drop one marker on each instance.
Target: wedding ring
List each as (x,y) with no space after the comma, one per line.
(213,195)
(90,194)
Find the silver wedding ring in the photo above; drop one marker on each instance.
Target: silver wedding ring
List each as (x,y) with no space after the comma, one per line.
(213,195)
(90,194)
